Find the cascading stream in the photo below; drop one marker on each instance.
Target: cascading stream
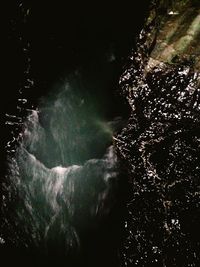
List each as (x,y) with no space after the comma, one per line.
(64,200)
(65,174)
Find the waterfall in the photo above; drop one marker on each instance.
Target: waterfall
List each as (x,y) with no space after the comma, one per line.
(64,173)
(84,186)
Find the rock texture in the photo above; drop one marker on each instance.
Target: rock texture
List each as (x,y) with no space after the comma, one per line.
(160,146)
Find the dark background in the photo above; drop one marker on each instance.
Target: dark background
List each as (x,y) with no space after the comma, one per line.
(64,35)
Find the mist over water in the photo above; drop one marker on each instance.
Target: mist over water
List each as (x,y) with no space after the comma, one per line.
(66,200)
(64,189)
(65,173)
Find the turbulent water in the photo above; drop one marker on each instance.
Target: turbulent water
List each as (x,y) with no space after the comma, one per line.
(61,200)
(63,176)
(64,201)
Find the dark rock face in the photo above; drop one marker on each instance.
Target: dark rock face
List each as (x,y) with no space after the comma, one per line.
(161,148)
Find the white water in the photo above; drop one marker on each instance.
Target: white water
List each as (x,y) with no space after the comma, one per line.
(61,186)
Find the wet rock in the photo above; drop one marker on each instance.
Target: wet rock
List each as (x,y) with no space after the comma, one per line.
(160,146)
